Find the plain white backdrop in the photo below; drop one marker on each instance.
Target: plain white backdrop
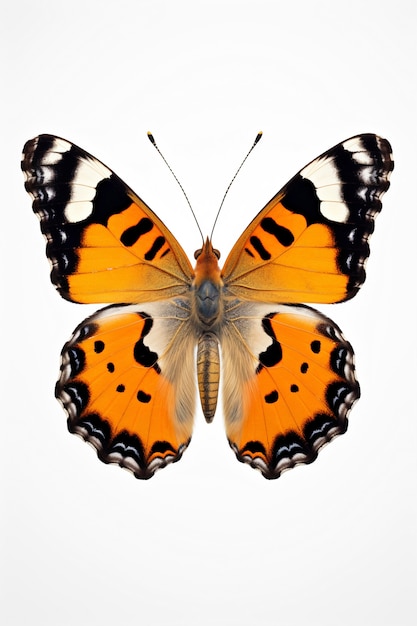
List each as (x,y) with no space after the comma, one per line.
(208,540)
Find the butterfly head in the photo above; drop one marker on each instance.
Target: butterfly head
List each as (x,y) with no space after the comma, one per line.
(207,284)
(206,251)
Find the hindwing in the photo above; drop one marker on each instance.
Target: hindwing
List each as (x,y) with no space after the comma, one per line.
(123,386)
(293,388)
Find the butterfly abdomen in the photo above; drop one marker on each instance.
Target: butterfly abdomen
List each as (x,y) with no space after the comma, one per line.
(208,373)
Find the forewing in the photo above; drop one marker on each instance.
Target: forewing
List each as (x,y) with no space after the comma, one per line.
(104,243)
(310,242)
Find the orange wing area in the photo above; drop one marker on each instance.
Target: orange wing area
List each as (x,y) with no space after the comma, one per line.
(116,393)
(310,242)
(104,243)
(299,393)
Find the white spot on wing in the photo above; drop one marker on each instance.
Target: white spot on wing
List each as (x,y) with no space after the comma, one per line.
(321,172)
(98,170)
(54,154)
(313,168)
(87,176)
(368,175)
(362,158)
(330,193)
(82,193)
(61,145)
(359,153)
(368,169)
(335,211)
(325,177)
(78,211)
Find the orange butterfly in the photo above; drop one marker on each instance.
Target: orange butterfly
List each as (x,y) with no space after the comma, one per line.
(127,377)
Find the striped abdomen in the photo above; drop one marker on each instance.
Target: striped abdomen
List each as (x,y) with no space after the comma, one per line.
(208,372)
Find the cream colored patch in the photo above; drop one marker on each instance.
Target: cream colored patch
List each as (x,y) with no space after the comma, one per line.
(54,154)
(238,367)
(83,189)
(325,177)
(243,339)
(173,338)
(335,211)
(359,153)
(78,211)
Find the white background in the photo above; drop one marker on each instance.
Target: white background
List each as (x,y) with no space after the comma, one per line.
(208,540)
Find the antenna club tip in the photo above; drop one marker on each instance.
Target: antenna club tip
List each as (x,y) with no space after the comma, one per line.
(258,137)
(151,138)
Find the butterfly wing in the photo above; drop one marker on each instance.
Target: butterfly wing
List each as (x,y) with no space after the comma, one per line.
(310,242)
(289,383)
(127,384)
(104,243)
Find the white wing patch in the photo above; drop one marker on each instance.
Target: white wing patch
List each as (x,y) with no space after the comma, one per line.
(83,189)
(54,155)
(359,153)
(325,177)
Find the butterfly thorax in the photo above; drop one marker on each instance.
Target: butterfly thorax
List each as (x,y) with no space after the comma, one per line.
(207,305)
(207,286)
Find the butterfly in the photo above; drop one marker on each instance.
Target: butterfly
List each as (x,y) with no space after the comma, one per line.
(129,374)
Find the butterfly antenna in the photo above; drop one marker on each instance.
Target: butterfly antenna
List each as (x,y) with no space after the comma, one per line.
(153,142)
(257,139)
